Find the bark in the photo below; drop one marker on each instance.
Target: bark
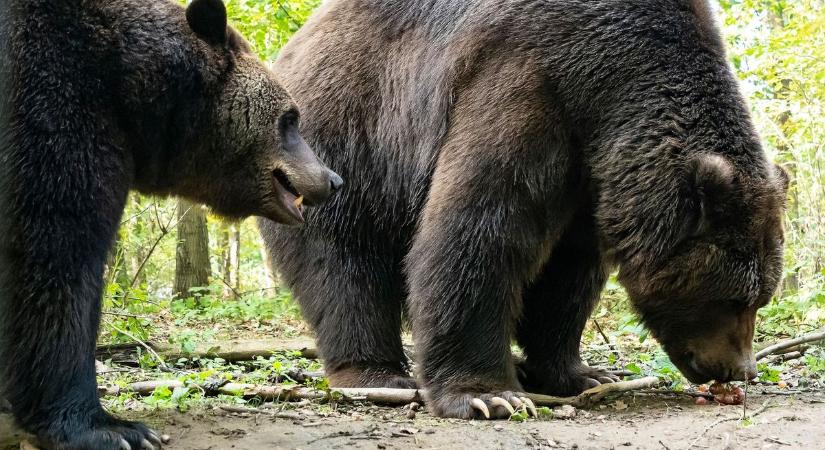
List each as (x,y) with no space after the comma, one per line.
(192,253)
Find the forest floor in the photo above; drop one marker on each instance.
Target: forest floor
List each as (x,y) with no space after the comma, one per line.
(775,418)
(634,422)
(786,422)
(785,405)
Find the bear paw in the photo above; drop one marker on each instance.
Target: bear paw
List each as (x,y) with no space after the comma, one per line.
(570,381)
(472,405)
(111,434)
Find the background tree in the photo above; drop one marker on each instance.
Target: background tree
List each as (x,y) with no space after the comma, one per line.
(192,254)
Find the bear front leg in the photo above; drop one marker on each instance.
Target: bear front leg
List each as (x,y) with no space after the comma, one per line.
(467,268)
(557,307)
(485,232)
(58,220)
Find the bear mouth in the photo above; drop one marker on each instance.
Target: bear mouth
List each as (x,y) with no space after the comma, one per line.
(289,197)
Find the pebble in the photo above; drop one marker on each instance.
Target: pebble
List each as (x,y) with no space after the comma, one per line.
(564,412)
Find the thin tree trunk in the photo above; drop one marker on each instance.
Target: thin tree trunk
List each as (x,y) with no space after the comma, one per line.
(235,256)
(192,254)
(226,266)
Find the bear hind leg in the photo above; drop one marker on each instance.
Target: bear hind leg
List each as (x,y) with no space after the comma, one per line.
(353,302)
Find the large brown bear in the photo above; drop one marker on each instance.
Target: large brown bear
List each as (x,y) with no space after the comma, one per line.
(98,97)
(502,158)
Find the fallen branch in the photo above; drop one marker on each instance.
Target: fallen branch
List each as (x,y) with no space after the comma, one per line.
(276,414)
(790,343)
(784,357)
(231,351)
(381,396)
(596,394)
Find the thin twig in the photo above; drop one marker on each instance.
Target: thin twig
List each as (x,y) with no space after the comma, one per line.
(136,215)
(789,343)
(599,327)
(164,232)
(727,419)
(120,314)
(234,291)
(745,402)
(161,364)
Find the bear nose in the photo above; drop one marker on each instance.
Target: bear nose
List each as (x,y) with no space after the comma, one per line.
(745,371)
(335,181)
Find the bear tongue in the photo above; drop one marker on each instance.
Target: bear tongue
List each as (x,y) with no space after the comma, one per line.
(291,203)
(293,206)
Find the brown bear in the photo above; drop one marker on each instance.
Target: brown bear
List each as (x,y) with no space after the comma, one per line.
(98,97)
(502,159)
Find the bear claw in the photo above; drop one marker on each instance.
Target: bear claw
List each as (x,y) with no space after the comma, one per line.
(478,404)
(515,403)
(531,407)
(498,401)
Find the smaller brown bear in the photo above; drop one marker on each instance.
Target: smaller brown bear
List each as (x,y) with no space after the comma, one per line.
(98,97)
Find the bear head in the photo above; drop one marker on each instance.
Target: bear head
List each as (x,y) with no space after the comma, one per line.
(700,301)
(249,157)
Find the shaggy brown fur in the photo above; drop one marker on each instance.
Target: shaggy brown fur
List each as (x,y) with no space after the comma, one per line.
(98,97)
(502,158)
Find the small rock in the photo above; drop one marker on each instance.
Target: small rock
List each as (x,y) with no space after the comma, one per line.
(564,412)
(498,427)
(165,438)
(411,414)
(414,406)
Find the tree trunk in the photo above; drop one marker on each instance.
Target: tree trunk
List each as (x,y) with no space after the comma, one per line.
(234,268)
(192,254)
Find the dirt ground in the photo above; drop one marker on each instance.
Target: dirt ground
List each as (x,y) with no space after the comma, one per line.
(788,422)
(640,422)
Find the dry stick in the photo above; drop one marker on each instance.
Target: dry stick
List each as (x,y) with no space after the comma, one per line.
(599,328)
(804,339)
(387,396)
(765,406)
(161,364)
(245,410)
(232,351)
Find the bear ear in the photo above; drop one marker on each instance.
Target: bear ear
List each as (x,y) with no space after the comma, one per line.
(207,18)
(782,176)
(711,179)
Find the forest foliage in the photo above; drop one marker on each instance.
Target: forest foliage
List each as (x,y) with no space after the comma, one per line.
(777,48)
